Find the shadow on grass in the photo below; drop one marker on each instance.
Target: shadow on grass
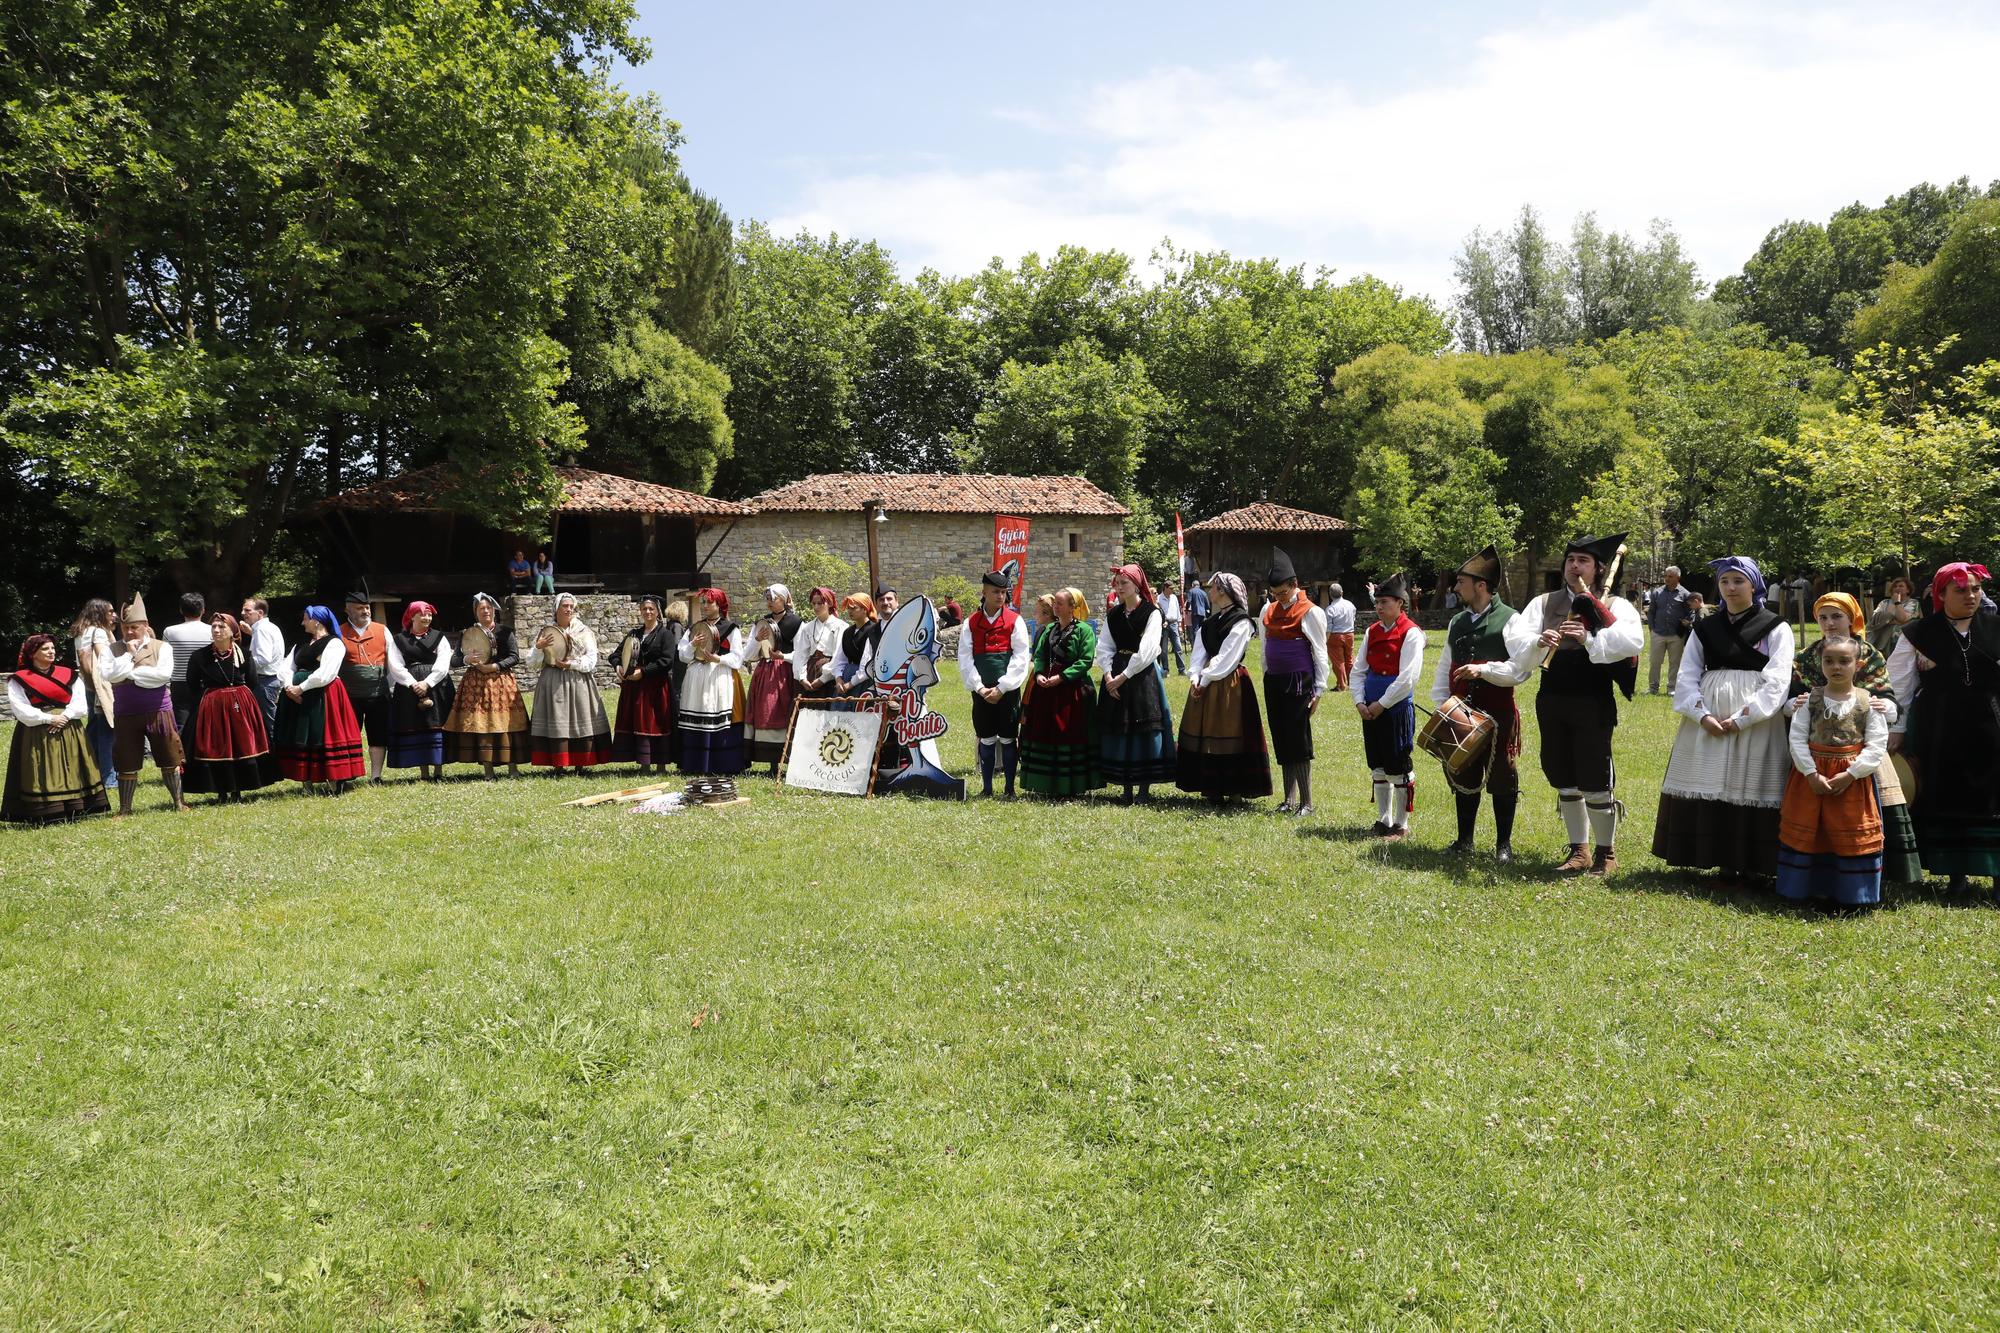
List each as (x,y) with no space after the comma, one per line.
(1764,900)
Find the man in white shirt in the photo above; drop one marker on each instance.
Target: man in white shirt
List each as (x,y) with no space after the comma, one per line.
(1339,636)
(187,638)
(1589,643)
(267,650)
(1170,630)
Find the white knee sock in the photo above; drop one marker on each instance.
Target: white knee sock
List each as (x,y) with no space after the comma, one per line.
(1383,794)
(1399,804)
(1603,809)
(1570,801)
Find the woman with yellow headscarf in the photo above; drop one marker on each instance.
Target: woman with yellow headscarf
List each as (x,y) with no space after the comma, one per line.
(1840,617)
(1058,738)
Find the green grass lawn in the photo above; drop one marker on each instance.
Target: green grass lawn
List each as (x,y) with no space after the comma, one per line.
(454,1057)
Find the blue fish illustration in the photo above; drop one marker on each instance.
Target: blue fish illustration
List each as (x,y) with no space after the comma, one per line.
(906,657)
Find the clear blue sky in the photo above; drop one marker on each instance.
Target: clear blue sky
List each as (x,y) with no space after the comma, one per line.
(1363,137)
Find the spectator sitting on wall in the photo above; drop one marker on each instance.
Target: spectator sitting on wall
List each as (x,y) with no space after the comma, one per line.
(545,573)
(519,572)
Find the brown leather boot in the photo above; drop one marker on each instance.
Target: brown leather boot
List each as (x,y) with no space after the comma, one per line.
(1578,860)
(1603,863)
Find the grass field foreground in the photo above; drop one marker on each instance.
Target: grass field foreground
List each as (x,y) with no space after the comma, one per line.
(454,1057)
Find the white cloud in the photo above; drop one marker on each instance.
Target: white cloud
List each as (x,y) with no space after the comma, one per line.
(1723,120)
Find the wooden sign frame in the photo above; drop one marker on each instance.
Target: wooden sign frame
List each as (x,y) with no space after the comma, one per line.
(865,704)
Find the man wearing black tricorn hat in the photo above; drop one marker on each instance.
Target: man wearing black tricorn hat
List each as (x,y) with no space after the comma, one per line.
(1295,671)
(1485,656)
(1590,642)
(993,656)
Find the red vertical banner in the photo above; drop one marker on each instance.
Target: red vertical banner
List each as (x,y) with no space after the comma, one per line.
(1010,551)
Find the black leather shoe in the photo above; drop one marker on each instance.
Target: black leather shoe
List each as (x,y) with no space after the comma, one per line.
(1503,854)
(1460,848)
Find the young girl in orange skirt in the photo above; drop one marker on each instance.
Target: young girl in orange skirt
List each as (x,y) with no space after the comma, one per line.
(1830,827)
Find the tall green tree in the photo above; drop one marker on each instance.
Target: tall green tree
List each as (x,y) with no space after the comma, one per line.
(1949,306)
(1520,288)
(1707,402)
(1909,470)
(1389,530)
(1081,413)
(256,246)
(1808,280)
(801,356)
(1245,352)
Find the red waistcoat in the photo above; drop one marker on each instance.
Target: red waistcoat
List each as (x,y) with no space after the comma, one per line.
(992,636)
(1385,645)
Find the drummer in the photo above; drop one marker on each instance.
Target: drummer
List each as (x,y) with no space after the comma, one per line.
(1481,663)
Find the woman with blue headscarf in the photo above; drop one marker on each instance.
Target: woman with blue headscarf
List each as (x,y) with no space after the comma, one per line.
(1726,780)
(318,738)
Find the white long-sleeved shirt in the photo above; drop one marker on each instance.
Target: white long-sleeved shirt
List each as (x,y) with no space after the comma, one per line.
(1020,655)
(1624,637)
(816,636)
(267,648)
(733,658)
(146,678)
(1205,670)
(28,712)
(1408,668)
(584,661)
(400,673)
(1774,683)
(1518,667)
(1143,657)
(1874,744)
(329,666)
(1313,627)
(1339,616)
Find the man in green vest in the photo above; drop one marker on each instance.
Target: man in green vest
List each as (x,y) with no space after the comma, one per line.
(1481,666)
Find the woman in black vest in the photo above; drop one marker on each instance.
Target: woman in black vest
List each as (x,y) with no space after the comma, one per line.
(1726,780)
(421,693)
(1946,672)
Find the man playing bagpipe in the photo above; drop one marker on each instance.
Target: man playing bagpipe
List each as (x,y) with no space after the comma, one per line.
(1485,656)
(1590,643)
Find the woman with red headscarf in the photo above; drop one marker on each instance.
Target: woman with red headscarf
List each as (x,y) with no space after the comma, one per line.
(711,720)
(228,750)
(50,772)
(1135,729)
(421,693)
(1946,672)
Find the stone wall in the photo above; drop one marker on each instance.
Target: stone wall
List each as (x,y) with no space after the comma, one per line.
(609,615)
(914,549)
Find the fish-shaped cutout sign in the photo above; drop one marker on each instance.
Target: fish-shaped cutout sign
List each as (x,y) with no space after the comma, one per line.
(905,668)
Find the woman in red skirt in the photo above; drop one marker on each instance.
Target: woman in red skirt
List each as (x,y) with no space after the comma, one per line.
(772,687)
(319,738)
(229,751)
(644,730)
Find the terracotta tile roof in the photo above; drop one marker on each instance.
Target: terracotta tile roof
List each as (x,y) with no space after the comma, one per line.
(584,492)
(939,493)
(1266,517)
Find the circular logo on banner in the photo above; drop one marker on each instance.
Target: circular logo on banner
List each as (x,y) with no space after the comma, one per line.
(836,747)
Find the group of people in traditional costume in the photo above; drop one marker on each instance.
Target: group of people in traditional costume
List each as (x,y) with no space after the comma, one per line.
(1780,772)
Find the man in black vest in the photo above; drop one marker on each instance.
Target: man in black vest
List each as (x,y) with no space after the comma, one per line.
(1590,641)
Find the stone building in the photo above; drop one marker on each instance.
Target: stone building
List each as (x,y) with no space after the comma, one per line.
(934,524)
